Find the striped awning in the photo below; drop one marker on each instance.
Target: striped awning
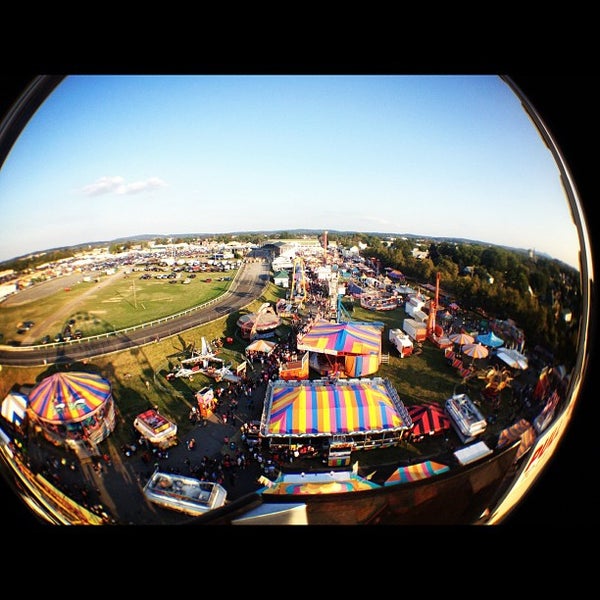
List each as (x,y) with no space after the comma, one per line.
(416,472)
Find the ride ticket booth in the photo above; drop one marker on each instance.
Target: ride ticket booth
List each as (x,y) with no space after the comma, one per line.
(340,451)
(206,401)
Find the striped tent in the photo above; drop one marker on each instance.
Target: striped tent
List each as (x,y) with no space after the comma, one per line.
(428,419)
(357,344)
(335,482)
(69,397)
(322,408)
(14,408)
(421,470)
(342,339)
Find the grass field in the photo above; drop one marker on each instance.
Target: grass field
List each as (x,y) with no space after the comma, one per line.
(97,307)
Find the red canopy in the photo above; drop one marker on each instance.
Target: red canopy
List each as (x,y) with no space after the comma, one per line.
(429,419)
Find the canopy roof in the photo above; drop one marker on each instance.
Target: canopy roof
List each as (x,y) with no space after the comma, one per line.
(428,419)
(324,408)
(69,397)
(319,483)
(475,350)
(490,339)
(513,358)
(461,338)
(415,472)
(261,345)
(14,407)
(341,338)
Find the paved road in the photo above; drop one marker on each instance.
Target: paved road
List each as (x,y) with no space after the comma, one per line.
(248,285)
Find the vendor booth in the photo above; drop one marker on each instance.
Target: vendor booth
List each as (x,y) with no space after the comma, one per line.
(205,397)
(295,369)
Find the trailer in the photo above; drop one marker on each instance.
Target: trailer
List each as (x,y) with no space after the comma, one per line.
(467,420)
(401,341)
(416,330)
(412,305)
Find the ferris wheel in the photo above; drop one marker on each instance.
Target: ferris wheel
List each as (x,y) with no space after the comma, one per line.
(298,291)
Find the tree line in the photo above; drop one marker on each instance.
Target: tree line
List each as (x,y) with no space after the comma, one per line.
(541,295)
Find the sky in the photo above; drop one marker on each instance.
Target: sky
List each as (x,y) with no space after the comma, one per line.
(106,157)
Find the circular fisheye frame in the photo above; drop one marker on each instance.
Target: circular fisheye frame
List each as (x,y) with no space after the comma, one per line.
(343,300)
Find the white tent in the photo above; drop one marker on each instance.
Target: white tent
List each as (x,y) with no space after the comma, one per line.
(261,345)
(513,358)
(14,407)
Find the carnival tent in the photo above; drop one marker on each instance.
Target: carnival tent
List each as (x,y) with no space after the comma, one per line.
(324,408)
(513,358)
(260,345)
(14,408)
(490,339)
(461,338)
(428,419)
(341,339)
(265,319)
(358,345)
(69,397)
(416,472)
(475,351)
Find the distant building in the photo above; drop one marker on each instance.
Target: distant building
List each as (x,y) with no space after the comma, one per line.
(282,279)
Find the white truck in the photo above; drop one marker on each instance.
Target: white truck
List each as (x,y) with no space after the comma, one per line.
(401,341)
(416,330)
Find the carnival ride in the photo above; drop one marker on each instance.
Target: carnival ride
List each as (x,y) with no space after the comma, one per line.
(263,322)
(435,333)
(298,290)
(73,408)
(379,303)
(183,493)
(157,429)
(497,380)
(206,362)
(342,349)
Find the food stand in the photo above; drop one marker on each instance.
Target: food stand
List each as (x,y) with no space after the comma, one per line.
(206,401)
(340,452)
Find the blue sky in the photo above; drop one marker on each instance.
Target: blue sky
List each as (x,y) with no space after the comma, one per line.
(107,157)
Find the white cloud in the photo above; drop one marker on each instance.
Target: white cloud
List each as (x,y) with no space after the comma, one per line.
(116,185)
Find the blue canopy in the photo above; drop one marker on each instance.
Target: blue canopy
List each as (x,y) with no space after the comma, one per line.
(490,339)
